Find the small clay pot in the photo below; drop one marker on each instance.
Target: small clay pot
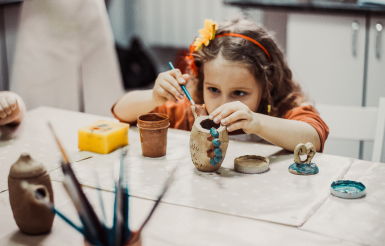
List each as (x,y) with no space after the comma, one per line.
(205,155)
(31,216)
(153,134)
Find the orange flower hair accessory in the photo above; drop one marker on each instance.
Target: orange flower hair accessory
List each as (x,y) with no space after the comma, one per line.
(206,34)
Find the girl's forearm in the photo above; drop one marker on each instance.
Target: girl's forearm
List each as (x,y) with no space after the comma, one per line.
(133,104)
(286,133)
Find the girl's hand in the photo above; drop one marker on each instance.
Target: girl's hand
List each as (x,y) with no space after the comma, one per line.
(167,87)
(236,115)
(10,111)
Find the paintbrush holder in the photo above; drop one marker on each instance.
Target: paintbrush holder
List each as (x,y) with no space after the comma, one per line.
(208,144)
(136,240)
(31,216)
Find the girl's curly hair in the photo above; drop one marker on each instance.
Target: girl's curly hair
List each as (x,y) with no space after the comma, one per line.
(275,77)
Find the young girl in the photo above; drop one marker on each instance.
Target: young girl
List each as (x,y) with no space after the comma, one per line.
(241,75)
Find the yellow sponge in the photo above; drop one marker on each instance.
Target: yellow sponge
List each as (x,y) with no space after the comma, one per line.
(103,136)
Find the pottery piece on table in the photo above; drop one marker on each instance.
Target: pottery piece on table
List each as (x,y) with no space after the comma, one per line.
(31,216)
(305,167)
(208,143)
(251,164)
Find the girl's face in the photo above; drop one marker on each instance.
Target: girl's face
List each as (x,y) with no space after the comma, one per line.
(226,81)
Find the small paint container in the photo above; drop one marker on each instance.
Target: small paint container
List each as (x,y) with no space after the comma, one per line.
(348,189)
(251,164)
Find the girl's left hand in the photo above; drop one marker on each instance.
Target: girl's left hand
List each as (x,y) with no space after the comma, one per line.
(236,115)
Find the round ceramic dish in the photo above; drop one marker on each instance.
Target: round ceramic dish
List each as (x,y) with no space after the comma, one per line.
(251,164)
(348,189)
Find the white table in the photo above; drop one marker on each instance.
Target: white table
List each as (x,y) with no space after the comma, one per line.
(179,221)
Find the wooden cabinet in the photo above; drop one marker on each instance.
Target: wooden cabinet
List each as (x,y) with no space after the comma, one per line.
(327,53)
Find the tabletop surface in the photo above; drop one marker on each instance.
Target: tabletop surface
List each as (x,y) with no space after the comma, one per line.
(223,208)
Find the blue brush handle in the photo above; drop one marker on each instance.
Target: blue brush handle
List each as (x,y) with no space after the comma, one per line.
(183,87)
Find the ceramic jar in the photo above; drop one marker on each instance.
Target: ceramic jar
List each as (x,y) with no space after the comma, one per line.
(153,134)
(31,216)
(208,144)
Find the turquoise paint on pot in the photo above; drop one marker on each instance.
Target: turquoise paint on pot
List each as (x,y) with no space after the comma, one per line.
(214,132)
(213,162)
(217,142)
(218,152)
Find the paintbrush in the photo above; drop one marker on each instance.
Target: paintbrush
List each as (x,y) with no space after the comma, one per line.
(126,204)
(118,226)
(100,197)
(183,87)
(92,225)
(165,188)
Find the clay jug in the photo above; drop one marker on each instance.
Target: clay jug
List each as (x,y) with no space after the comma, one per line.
(31,216)
(208,142)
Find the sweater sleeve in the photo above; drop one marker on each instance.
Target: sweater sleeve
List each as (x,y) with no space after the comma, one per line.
(178,113)
(309,115)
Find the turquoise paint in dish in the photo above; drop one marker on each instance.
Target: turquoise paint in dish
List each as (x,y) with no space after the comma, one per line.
(348,189)
(304,169)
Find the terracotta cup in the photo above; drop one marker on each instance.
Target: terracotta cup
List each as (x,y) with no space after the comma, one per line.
(153,134)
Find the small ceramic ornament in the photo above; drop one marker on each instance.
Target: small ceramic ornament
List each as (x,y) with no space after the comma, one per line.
(305,167)
(208,141)
(31,216)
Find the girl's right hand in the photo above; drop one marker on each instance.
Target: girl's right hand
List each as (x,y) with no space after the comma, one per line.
(167,87)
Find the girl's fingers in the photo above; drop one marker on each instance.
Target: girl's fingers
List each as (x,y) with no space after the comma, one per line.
(12,102)
(4,104)
(186,77)
(217,111)
(223,114)
(178,75)
(2,113)
(171,98)
(168,87)
(170,79)
(236,116)
(236,126)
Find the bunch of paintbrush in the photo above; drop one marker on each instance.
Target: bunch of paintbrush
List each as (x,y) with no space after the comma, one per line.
(94,230)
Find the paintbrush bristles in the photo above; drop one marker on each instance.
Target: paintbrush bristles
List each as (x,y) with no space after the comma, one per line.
(165,188)
(59,144)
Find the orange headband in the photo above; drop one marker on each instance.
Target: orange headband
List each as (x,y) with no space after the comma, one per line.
(245,37)
(191,57)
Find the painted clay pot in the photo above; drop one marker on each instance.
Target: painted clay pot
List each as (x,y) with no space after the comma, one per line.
(31,216)
(153,134)
(208,144)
